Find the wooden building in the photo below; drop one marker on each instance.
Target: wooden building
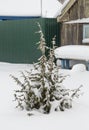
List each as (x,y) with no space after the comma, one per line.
(74,21)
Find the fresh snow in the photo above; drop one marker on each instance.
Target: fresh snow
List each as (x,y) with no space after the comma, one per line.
(13,119)
(78,68)
(83,20)
(64,5)
(76,52)
(61,8)
(85,40)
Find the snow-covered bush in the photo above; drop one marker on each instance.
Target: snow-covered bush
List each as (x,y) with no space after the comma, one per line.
(41,86)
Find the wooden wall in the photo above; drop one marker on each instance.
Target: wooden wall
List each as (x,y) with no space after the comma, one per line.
(76,11)
(73,33)
(86,8)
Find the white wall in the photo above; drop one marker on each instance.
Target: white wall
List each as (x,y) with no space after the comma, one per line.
(50,7)
(29,7)
(20,7)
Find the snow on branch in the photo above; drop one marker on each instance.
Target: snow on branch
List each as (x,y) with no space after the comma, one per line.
(41,87)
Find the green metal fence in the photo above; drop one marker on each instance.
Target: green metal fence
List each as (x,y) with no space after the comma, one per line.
(18,39)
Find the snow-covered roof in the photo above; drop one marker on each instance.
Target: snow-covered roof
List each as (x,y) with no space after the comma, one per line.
(76,52)
(61,8)
(83,20)
(66,6)
(62,1)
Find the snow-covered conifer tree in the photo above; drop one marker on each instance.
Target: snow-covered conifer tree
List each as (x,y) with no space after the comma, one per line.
(41,86)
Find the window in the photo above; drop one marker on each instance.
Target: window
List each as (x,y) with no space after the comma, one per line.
(85,33)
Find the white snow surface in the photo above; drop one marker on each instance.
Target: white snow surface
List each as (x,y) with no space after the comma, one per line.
(78,68)
(76,118)
(45,8)
(61,8)
(85,40)
(83,20)
(76,52)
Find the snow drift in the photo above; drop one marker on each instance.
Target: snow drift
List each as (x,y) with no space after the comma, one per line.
(77,52)
(11,118)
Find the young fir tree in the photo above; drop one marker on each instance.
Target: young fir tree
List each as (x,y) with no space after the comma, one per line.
(42,85)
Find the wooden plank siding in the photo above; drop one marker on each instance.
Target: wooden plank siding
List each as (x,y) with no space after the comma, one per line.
(86,8)
(76,11)
(73,33)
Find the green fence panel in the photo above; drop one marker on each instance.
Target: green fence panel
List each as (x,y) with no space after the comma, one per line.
(52,28)
(18,39)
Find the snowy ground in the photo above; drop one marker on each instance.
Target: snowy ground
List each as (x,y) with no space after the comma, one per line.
(14,119)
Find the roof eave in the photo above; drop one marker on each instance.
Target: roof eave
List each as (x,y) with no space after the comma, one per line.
(65,10)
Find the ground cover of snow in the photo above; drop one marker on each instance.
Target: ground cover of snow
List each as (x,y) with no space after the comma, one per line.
(14,119)
(77,52)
